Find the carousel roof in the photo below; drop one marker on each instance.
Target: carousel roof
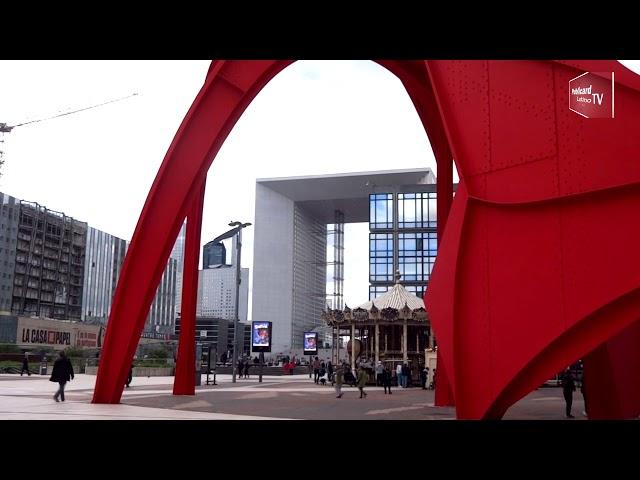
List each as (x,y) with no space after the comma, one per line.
(397,298)
(396,304)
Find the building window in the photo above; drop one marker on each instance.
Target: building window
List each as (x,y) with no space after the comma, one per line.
(416,255)
(380,257)
(417,210)
(380,211)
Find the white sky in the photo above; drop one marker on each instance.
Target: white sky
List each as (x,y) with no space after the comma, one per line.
(315,117)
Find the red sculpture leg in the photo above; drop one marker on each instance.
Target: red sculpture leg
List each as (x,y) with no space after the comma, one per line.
(443,394)
(184,382)
(611,372)
(546,268)
(229,88)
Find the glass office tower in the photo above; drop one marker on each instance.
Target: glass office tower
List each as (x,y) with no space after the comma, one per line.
(402,237)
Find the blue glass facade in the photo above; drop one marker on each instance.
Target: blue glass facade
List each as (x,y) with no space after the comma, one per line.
(402,237)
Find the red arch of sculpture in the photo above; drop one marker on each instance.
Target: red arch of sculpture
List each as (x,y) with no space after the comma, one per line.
(538,264)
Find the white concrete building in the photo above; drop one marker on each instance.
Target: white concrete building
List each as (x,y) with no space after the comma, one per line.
(217,292)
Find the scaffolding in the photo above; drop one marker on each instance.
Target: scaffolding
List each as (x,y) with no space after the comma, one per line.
(49,269)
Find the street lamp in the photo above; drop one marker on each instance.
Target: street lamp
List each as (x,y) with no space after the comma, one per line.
(235,231)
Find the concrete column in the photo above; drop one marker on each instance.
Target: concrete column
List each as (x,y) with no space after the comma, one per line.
(377,343)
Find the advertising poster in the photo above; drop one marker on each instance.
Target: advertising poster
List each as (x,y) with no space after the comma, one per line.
(261,336)
(310,343)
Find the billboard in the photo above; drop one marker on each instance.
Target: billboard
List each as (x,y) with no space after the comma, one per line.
(261,336)
(310,343)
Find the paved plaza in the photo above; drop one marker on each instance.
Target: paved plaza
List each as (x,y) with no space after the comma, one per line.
(293,397)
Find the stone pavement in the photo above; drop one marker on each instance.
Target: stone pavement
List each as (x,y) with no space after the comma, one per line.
(281,397)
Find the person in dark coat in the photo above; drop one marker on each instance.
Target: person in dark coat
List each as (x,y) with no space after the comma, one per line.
(406,375)
(386,379)
(246,369)
(240,368)
(568,387)
(62,372)
(25,365)
(130,376)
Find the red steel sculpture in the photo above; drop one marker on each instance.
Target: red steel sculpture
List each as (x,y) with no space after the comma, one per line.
(539,261)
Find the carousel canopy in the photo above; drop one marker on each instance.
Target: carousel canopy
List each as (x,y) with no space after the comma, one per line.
(396,298)
(396,304)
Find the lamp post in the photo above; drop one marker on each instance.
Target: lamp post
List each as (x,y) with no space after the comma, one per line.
(237,230)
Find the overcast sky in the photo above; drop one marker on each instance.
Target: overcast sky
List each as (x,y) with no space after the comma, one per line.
(315,117)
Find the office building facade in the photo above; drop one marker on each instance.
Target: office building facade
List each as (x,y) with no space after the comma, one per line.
(53,266)
(402,238)
(105,255)
(49,264)
(178,254)
(9,215)
(217,292)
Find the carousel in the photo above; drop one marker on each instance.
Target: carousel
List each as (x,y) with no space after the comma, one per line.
(392,328)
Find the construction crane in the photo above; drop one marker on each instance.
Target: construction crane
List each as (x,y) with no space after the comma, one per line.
(4,128)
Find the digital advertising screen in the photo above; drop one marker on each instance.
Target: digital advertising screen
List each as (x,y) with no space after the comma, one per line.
(310,343)
(261,336)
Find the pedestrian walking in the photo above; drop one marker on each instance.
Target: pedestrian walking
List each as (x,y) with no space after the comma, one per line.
(316,370)
(130,376)
(62,372)
(339,379)
(362,381)
(568,387)
(25,364)
(386,379)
